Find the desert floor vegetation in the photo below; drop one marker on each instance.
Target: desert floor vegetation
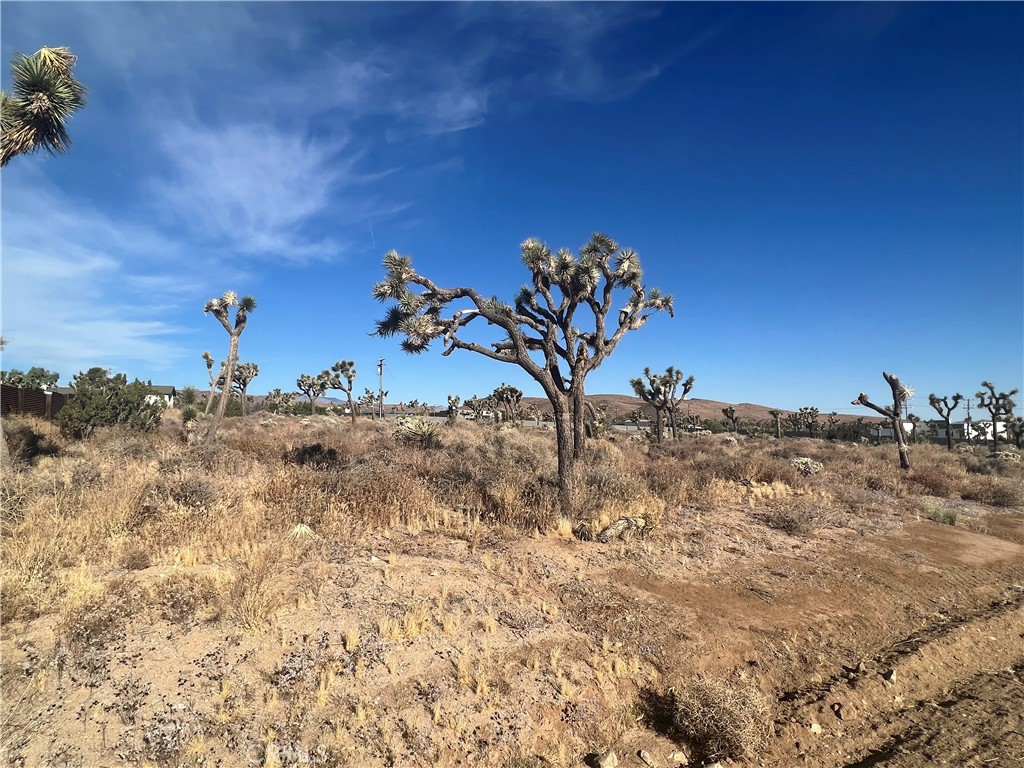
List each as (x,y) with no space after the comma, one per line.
(308,591)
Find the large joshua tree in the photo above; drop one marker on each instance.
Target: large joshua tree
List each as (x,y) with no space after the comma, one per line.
(945,409)
(220,308)
(510,400)
(543,326)
(661,392)
(809,418)
(998,404)
(244,374)
(342,376)
(44,95)
(894,413)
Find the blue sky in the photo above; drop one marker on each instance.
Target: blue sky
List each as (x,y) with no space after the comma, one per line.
(829,190)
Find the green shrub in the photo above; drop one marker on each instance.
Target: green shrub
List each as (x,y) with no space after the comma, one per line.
(102,400)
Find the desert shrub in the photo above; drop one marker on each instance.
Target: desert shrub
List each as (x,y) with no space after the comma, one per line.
(315,455)
(94,616)
(794,519)
(29,438)
(723,719)
(181,595)
(102,400)
(806,466)
(992,491)
(192,491)
(935,481)
(938,512)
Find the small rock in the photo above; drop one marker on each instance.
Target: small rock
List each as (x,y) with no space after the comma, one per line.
(645,756)
(862,668)
(607,760)
(837,710)
(815,728)
(889,676)
(678,757)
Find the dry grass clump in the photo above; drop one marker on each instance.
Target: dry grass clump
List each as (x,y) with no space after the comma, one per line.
(937,481)
(722,718)
(29,438)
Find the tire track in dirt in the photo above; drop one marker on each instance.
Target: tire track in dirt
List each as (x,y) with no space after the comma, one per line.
(908,692)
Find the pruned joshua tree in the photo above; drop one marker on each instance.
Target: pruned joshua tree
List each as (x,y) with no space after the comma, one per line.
(219,309)
(915,426)
(945,409)
(894,413)
(244,374)
(313,387)
(777,415)
(453,408)
(44,95)
(732,418)
(544,331)
(1000,404)
(342,376)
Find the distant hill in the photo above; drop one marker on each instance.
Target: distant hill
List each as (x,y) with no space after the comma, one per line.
(621,406)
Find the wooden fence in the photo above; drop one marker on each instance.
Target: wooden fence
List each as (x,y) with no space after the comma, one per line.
(30,402)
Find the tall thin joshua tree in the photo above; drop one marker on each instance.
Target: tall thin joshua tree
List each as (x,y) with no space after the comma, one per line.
(219,308)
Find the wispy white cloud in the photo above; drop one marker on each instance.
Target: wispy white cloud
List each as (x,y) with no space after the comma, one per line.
(83,289)
(251,188)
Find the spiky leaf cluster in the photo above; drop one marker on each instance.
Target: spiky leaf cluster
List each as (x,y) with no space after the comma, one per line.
(44,95)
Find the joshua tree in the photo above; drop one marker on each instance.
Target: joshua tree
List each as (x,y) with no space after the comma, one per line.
(654,392)
(1000,404)
(795,422)
(900,394)
(833,422)
(673,380)
(809,418)
(313,387)
(277,401)
(777,415)
(943,407)
(44,95)
(219,308)
(214,379)
(915,424)
(453,408)
(733,419)
(693,423)
(342,376)
(244,374)
(1015,426)
(476,406)
(542,327)
(509,399)
(636,416)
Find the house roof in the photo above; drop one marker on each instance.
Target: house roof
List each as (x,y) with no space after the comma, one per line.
(163,390)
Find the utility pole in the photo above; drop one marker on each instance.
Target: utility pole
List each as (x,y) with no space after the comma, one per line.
(380,388)
(967,421)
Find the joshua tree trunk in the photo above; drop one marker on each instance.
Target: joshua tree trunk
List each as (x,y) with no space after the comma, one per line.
(566,455)
(209,399)
(579,416)
(225,392)
(243,396)
(351,406)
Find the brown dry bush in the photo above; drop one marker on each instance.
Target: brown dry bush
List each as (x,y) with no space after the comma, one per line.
(28,438)
(722,718)
(937,481)
(992,491)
